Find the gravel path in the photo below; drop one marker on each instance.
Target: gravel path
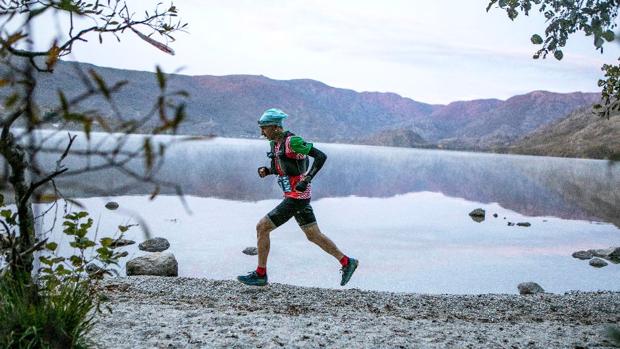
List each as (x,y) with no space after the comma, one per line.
(156,312)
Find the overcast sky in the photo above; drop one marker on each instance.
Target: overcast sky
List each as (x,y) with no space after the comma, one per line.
(431,51)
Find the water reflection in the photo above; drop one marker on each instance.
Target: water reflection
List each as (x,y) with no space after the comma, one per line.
(534,186)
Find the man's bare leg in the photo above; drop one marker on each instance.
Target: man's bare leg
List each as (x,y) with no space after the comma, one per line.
(313,233)
(263,229)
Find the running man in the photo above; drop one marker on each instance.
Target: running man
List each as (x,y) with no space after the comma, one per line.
(289,162)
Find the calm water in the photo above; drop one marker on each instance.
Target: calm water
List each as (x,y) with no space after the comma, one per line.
(403,212)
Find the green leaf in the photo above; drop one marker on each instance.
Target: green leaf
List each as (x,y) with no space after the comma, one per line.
(123,228)
(536,39)
(558,54)
(76,260)
(106,242)
(11,100)
(148,154)
(100,83)
(598,41)
(609,35)
(52,246)
(161,79)
(6,214)
(45,260)
(58,260)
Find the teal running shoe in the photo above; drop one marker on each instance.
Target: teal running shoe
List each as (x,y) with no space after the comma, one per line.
(348,271)
(253,279)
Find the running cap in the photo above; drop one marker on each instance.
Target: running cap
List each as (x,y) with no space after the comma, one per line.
(272,116)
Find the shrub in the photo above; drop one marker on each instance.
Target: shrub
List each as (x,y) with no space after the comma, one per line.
(58,319)
(57,312)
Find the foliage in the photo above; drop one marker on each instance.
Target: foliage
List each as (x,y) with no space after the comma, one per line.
(613,333)
(595,18)
(65,300)
(59,319)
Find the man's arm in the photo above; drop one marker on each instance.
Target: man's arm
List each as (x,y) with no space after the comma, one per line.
(319,160)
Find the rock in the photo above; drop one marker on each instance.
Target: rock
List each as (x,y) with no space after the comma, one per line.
(524,224)
(250,251)
(477,213)
(510,224)
(154,245)
(615,253)
(121,242)
(92,268)
(156,263)
(583,255)
(602,252)
(530,288)
(495,215)
(112,205)
(597,262)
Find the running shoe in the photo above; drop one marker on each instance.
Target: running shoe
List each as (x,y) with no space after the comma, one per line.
(253,279)
(348,271)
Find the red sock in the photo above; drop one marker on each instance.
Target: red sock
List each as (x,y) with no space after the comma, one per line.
(344,261)
(261,271)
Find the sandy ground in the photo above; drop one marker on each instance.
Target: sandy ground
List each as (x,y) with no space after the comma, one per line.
(156,312)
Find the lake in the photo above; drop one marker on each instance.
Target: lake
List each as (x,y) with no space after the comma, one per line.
(402,212)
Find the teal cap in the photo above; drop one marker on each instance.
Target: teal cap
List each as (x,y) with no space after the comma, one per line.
(272,116)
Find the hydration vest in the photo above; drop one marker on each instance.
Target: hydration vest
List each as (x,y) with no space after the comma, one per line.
(290,166)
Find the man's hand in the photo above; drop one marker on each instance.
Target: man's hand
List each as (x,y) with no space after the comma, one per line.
(302,185)
(263,171)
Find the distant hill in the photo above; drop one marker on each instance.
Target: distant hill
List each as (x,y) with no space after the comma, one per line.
(230,105)
(396,138)
(582,135)
(485,124)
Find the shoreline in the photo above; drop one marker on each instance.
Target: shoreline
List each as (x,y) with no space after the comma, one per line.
(159,312)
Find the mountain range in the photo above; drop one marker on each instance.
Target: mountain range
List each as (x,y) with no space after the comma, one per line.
(230,105)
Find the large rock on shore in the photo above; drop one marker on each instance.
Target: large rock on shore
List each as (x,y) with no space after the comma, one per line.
(530,288)
(156,263)
(154,245)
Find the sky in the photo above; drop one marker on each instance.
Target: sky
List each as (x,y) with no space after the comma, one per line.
(431,51)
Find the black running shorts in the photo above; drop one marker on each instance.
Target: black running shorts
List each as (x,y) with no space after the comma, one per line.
(298,208)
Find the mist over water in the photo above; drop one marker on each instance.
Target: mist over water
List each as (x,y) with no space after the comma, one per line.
(226,168)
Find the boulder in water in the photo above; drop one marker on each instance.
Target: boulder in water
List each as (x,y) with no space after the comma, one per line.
(154,245)
(583,255)
(477,215)
(597,262)
(524,224)
(112,205)
(250,251)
